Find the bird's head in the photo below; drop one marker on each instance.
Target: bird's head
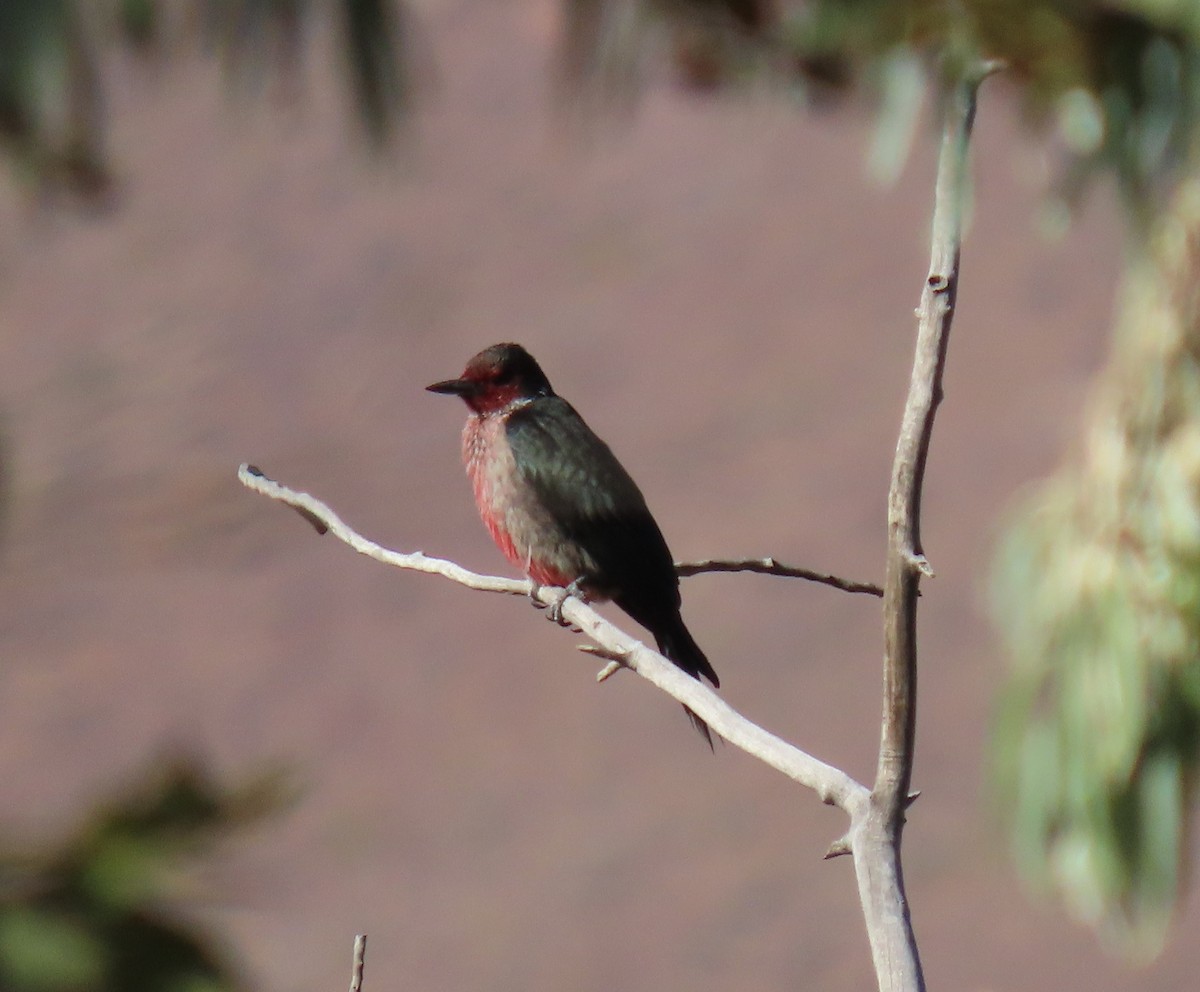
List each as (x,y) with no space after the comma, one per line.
(496,378)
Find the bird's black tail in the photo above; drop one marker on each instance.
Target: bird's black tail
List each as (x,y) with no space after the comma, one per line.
(675,643)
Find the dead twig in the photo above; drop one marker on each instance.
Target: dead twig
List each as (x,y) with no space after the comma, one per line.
(769,566)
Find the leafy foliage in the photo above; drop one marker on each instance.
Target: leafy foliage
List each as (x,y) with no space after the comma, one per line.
(50,119)
(94,913)
(1120,78)
(1098,596)
(51,90)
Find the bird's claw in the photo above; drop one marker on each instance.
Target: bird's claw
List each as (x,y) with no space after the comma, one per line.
(555,611)
(555,614)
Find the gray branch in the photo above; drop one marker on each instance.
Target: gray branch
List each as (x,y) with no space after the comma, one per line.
(876,839)
(769,566)
(360,954)
(831,784)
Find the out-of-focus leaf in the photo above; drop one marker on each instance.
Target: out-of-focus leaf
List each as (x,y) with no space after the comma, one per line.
(139,21)
(1122,78)
(44,951)
(1097,595)
(50,106)
(374,42)
(98,912)
(1081,121)
(902,84)
(260,39)
(52,126)
(125,871)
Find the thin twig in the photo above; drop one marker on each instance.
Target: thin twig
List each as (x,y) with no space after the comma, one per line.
(360,954)
(769,566)
(831,784)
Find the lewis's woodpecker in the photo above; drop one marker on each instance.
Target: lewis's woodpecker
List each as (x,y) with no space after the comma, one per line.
(561,507)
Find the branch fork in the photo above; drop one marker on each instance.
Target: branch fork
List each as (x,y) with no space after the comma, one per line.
(876,814)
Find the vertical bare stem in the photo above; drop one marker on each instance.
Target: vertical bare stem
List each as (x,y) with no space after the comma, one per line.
(906,561)
(360,954)
(876,839)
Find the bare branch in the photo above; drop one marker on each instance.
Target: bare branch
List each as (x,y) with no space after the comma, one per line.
(360,954)
(324,520)
(876,840)
(831,784)
(769,566)
(906,559)
(321,516)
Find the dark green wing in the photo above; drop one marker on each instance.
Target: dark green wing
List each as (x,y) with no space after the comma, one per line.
(593,499)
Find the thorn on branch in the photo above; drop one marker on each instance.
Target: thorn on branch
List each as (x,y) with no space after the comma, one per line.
(839,848)
(608,671)
(616,660)
(912,797)
(921,564)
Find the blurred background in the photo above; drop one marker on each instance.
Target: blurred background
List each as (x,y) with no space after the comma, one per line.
(720,287)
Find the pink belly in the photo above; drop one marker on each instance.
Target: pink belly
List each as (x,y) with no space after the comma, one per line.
(542,572)
(511,516)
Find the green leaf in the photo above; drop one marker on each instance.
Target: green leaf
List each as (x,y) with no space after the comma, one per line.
(44,951)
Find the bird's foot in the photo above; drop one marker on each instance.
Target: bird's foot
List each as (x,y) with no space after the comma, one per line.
(574,589)
(535,590)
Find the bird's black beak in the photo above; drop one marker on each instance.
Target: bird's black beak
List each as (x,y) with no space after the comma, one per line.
(453,387)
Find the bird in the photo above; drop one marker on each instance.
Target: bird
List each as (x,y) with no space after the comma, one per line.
(561,507)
